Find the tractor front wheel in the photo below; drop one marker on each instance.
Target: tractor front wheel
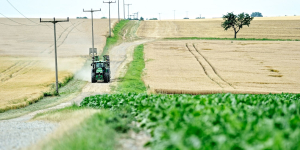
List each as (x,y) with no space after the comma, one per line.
(93,76)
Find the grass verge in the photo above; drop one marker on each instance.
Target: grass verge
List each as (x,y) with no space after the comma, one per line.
(237,39)
(132,81)
(110,41)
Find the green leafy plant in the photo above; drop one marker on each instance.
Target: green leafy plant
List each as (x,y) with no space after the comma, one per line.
(219,121)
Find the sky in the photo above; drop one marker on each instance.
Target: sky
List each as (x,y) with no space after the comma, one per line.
(147,8)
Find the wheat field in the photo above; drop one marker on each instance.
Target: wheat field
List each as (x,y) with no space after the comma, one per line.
(266,27)
(205,67)
(27,66)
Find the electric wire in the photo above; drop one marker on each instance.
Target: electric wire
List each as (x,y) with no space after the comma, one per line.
(16,21)
(75,26)
(61,26)
(37,24)
(20,12)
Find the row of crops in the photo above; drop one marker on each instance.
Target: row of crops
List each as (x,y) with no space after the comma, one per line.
(219,121)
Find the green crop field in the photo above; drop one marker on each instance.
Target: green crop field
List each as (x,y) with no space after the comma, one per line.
(219,121)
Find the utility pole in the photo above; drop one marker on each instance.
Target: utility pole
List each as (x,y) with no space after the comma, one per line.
(119,10)
(109,16)
(92,11)
(128,9)
(131,16)
(137,15)
(124,9)
(174,14)
(54,22)
(159,16)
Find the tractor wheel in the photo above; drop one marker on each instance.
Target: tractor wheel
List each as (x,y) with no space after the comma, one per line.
(106,77)
(93,80)
(109,78)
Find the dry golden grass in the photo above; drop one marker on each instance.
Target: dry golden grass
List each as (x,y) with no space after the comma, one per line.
(238,67)
(24,79)
(267,27)
(27,56)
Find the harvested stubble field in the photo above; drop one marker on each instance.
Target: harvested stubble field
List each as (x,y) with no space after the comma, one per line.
(204,67)
(266,27)
(27,56)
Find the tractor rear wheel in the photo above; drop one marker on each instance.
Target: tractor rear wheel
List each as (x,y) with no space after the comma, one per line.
(106,77)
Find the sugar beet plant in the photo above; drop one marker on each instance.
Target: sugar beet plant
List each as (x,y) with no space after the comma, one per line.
(221,121)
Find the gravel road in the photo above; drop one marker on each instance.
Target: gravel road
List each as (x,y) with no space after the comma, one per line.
(20,132)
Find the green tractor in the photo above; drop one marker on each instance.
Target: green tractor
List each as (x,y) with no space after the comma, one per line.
(101,69)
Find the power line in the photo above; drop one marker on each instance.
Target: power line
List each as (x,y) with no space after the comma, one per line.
(61,26)
(75,26)
(20,12)
(16,21)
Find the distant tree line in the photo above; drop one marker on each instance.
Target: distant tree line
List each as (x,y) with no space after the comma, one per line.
(256,14)
(81,17)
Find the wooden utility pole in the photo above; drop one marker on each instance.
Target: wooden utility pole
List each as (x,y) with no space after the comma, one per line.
(174,14)
(128,9)
(119,10)
(92,12)
(159,16)
(109,16)
(55,47)
(124,9)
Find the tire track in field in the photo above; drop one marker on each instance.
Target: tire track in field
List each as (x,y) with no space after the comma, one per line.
(9,68)
(27,66)
(7,73)
(201,64)
(213,68)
